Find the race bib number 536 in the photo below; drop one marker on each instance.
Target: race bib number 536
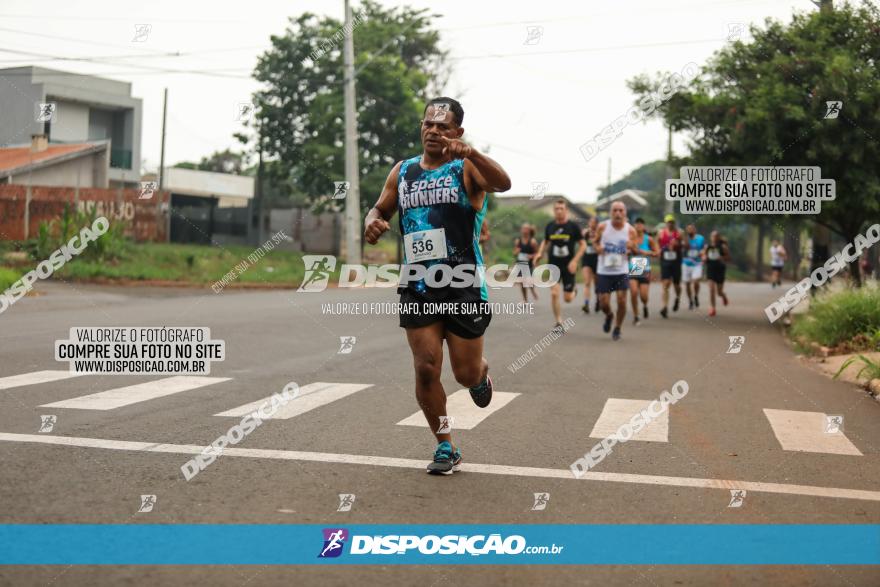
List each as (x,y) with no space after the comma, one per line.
(425,245)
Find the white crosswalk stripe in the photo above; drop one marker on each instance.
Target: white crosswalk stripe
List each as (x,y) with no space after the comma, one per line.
(311,396)
(465,414)
(34,378)
(798,431)
(133,394)
(618,412)
(806,432)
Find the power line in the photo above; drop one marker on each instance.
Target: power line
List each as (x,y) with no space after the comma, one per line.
(68,39)
(585,49)
(106,61)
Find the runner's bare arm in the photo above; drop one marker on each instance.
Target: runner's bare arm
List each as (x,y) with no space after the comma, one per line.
(633,240)
(516,247)
(486,172)
(582,247)
(597,240)
(377,218)
(540,252)
(484,232)
(655,247)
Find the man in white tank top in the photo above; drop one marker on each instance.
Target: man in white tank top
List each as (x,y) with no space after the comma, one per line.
(777,262)
(615,239)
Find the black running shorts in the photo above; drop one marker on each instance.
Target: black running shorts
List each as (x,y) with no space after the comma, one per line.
(590,260)
(715,272)
(610,283)
(671,270)
(461,316)
(567,279)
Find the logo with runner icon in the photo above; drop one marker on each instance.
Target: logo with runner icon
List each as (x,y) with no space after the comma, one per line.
(439,112)
(735,344)
(318,270)
(334,541)
(148,188)
(637,265)
(147,504)
(541,501)
(833,108)
(47,423)
(346,345)
(833,424)
(539,190)
(445,425)
(737,497)
(340,189)
(346,500)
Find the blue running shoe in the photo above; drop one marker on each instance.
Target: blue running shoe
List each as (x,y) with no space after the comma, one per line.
(445,461)
(482,393)
(606,327)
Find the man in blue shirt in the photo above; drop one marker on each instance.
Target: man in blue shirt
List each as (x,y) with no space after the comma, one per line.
(692,265)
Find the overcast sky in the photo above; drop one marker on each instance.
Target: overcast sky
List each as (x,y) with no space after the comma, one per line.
(532,102)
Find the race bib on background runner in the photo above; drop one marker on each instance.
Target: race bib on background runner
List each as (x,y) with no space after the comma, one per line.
(713,255)
(613,260)
(591,250)
(669,255)
(425,245)
(560,250)
(523,257)
(693,253)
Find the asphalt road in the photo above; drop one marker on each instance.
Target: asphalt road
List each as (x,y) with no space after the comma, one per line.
(718,434)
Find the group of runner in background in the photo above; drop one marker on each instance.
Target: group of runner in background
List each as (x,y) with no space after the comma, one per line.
(618,258)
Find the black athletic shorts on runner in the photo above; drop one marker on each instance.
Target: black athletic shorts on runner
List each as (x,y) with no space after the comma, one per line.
(715,272)
(590,260)
(469,320)
(567,279)
(610,283)
(643,278)
(671,270)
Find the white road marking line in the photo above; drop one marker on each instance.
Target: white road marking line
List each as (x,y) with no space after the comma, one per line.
(132,394)
(619,411)
(34,378)
(311,396)
(292,455)
(465,413)
(805,432)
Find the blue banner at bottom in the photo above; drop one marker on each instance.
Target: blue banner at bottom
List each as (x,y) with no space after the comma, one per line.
(481,544)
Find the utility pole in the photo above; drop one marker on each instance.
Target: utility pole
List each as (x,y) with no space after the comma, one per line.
(352,199)
(259,197)
(162,166)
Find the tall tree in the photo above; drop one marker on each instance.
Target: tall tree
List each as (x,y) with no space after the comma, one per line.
(299,110)
(764,103)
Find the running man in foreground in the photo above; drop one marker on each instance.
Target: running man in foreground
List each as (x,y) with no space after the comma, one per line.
(640,269)
(440,198)
(717,255)
(669,239)
(692,265)
(615,238)
(563,241)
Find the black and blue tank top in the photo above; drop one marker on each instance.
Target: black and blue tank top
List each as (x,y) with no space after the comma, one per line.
(435,201)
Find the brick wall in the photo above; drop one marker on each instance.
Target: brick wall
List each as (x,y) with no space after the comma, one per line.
(23,208)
